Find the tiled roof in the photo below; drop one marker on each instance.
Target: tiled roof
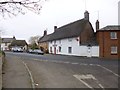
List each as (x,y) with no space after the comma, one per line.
(7,40)
(45,38)
(18,43)
(111,27)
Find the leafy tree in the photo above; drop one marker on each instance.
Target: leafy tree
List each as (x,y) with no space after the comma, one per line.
(33,46)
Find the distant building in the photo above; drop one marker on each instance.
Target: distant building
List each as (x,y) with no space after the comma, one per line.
(43,43)
(6,42)
(119,13)
(19,43)
(109,41)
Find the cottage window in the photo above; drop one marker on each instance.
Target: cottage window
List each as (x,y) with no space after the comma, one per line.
(114,50)
(51,42)
(69,49)
(59,41)
(59,49)
(50,49)
(113,35)
(69,40)
(5,44)
(54,42)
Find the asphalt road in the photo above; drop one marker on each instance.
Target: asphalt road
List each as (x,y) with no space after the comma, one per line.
(56,71)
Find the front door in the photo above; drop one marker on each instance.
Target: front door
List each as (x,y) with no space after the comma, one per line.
(54,50)
(89,52)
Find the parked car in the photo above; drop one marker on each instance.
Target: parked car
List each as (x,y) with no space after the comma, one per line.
(17,49)
(36,51)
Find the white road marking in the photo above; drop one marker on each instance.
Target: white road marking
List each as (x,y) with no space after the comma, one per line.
(108,70)
(92,64)
(74,63)
(88,76)
(83,64)
(30,74)
(80,64)
(79,77)
(66,62)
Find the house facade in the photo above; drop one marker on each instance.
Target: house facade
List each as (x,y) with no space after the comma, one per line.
(6,42)
(19,44)
(76,38)
(109,41)
(71,46)
(43,42)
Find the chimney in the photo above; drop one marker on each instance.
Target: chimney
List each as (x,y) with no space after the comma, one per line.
(97,25)
(45,32)
(14,38)
(55,27)
(86,15)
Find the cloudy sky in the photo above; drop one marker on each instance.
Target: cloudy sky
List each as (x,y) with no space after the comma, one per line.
(59,13)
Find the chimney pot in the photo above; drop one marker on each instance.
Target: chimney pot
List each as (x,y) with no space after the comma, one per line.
(97,25)
(45,32)
(86,15)
(55,27)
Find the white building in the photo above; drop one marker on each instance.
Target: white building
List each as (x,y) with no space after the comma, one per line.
(6,42)
(77,38)
(71,46)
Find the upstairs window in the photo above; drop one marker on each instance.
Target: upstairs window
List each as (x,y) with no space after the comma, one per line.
(51,42)
(113,35)
(5,44)
(114,50)
(55,42)
(59,41)
(70,40)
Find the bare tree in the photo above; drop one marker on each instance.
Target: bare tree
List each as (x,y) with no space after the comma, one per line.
(14,7)
(34,39)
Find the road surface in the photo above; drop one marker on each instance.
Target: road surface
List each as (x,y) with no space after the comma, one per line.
(24,70)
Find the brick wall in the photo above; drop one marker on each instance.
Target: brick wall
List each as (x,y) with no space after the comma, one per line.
(105,43)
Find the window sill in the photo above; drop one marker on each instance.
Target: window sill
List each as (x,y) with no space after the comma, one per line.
(114,54)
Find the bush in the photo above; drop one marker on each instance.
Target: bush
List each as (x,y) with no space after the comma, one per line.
(2,53)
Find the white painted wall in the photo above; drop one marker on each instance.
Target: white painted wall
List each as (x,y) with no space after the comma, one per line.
(77,50)
(5,47)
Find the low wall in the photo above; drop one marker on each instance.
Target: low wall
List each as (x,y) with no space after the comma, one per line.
(0,73)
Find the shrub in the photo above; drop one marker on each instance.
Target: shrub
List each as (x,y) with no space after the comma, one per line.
(2,53)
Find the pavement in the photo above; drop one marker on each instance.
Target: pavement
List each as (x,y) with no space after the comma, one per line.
(0,73)
(15,74)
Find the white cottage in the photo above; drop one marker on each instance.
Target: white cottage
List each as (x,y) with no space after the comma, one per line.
(6,43)
(77,38)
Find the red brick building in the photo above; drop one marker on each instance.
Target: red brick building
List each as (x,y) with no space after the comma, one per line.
(109,41)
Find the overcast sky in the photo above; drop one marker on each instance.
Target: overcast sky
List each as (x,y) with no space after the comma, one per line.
(59,13)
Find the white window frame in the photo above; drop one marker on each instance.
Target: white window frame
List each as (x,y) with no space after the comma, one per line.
(114,50)
(60,48)
(113,35)
(69,50)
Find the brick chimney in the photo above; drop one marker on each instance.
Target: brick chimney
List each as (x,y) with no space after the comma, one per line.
(86,15)
(97,25)
(55,27)
(45,32)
